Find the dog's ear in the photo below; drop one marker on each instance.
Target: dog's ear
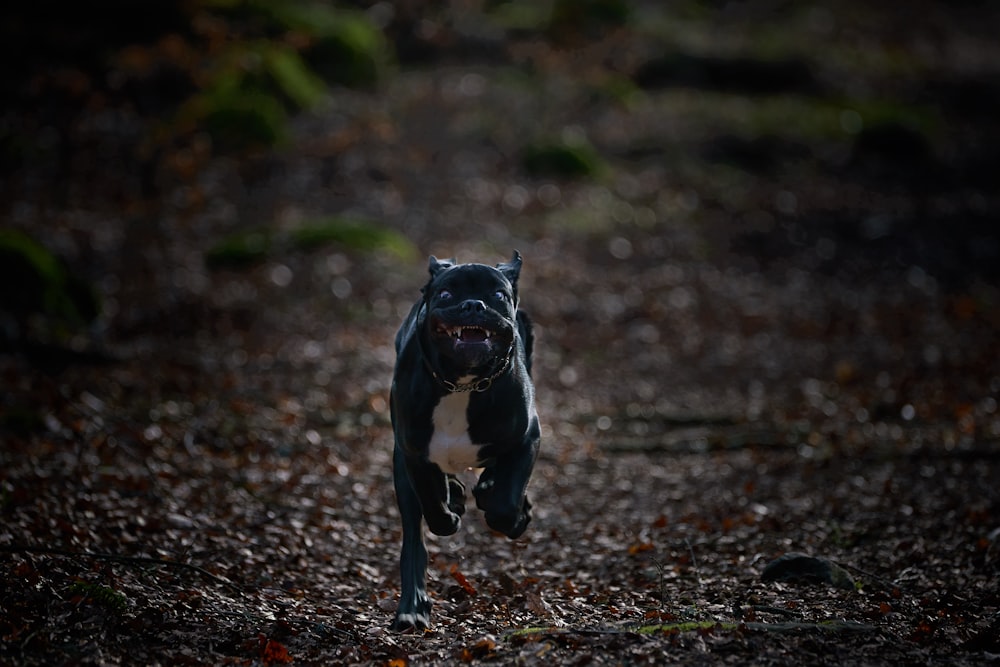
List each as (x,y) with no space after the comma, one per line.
(512,269)
(436,266)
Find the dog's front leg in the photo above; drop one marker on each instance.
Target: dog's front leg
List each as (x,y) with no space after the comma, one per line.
(422,492)
(414,611)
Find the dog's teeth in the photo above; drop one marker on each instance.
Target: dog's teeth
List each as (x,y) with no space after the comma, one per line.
(460,332)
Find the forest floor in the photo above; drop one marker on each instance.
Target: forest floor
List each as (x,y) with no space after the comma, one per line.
(769,325)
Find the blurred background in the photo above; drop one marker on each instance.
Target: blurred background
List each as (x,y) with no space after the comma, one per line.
(726,196)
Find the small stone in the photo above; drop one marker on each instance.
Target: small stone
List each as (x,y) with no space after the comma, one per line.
(797,567)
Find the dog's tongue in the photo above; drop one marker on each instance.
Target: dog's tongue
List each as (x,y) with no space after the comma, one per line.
(473,335)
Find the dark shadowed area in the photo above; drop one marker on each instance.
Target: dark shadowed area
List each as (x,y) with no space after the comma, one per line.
(761,250)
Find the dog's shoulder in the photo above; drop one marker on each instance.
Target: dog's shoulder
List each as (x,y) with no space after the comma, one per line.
(526,332)
(408,329)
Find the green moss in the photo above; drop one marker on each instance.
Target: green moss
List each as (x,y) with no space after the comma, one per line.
(104,596)
(247,89)
(559,17)
(239,250)
(619,89)
(522,16)
(588,14)
(562,159)
(247,248)
(353,234)
(874,113)
(33,281)
(687,626)
(37,273)
(345,46)
(245,118)
(811,121)
(534,630)
(279,62)
(292,76)
(245,101)
(353,54)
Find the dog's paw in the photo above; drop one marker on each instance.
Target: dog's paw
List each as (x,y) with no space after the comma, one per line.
(512,525)
(503,514)
(444,523)
(413,613)
(411,622)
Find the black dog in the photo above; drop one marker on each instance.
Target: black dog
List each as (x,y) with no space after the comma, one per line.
(461,398)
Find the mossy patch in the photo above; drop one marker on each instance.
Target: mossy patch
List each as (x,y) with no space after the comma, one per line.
(249,87)
(587,16)
(562,160)
(559,17)
(240,250)
(98,594)
(343,46)
(246,97)
(519,16)
(34,282)
(238,118)
(353,234)
(247,248)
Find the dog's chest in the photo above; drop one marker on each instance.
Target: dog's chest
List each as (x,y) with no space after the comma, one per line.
(450,446)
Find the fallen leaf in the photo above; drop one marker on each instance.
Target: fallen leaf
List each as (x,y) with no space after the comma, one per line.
(640,547)
(462,581)
(483,648)
(273,652)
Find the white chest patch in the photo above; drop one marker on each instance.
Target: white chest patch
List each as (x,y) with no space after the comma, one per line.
(450,447)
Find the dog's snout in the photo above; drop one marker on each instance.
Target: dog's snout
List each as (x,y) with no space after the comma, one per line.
(473,306)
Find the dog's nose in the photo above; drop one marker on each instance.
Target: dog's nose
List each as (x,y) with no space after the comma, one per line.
(473,306)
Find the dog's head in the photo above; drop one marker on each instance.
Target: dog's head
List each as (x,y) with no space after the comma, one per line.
(471,311)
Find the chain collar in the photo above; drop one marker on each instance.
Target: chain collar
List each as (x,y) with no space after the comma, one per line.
(478,385)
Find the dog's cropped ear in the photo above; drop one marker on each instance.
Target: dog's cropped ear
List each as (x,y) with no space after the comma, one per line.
(436,266)
(512,269)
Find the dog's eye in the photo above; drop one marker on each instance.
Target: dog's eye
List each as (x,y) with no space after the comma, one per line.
(500,295)
(444,294)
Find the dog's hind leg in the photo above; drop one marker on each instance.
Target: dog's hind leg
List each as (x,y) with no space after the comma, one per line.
(414,611)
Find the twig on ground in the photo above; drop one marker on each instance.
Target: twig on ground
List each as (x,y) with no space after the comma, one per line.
(694,559)
(864,573)
(766,609)
(663,584)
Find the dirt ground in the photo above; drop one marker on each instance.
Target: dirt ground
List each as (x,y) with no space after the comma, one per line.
(767,325)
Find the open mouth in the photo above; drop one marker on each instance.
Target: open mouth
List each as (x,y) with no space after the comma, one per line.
(466,334)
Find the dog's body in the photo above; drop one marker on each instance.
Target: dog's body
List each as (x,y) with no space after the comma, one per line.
(461,398)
